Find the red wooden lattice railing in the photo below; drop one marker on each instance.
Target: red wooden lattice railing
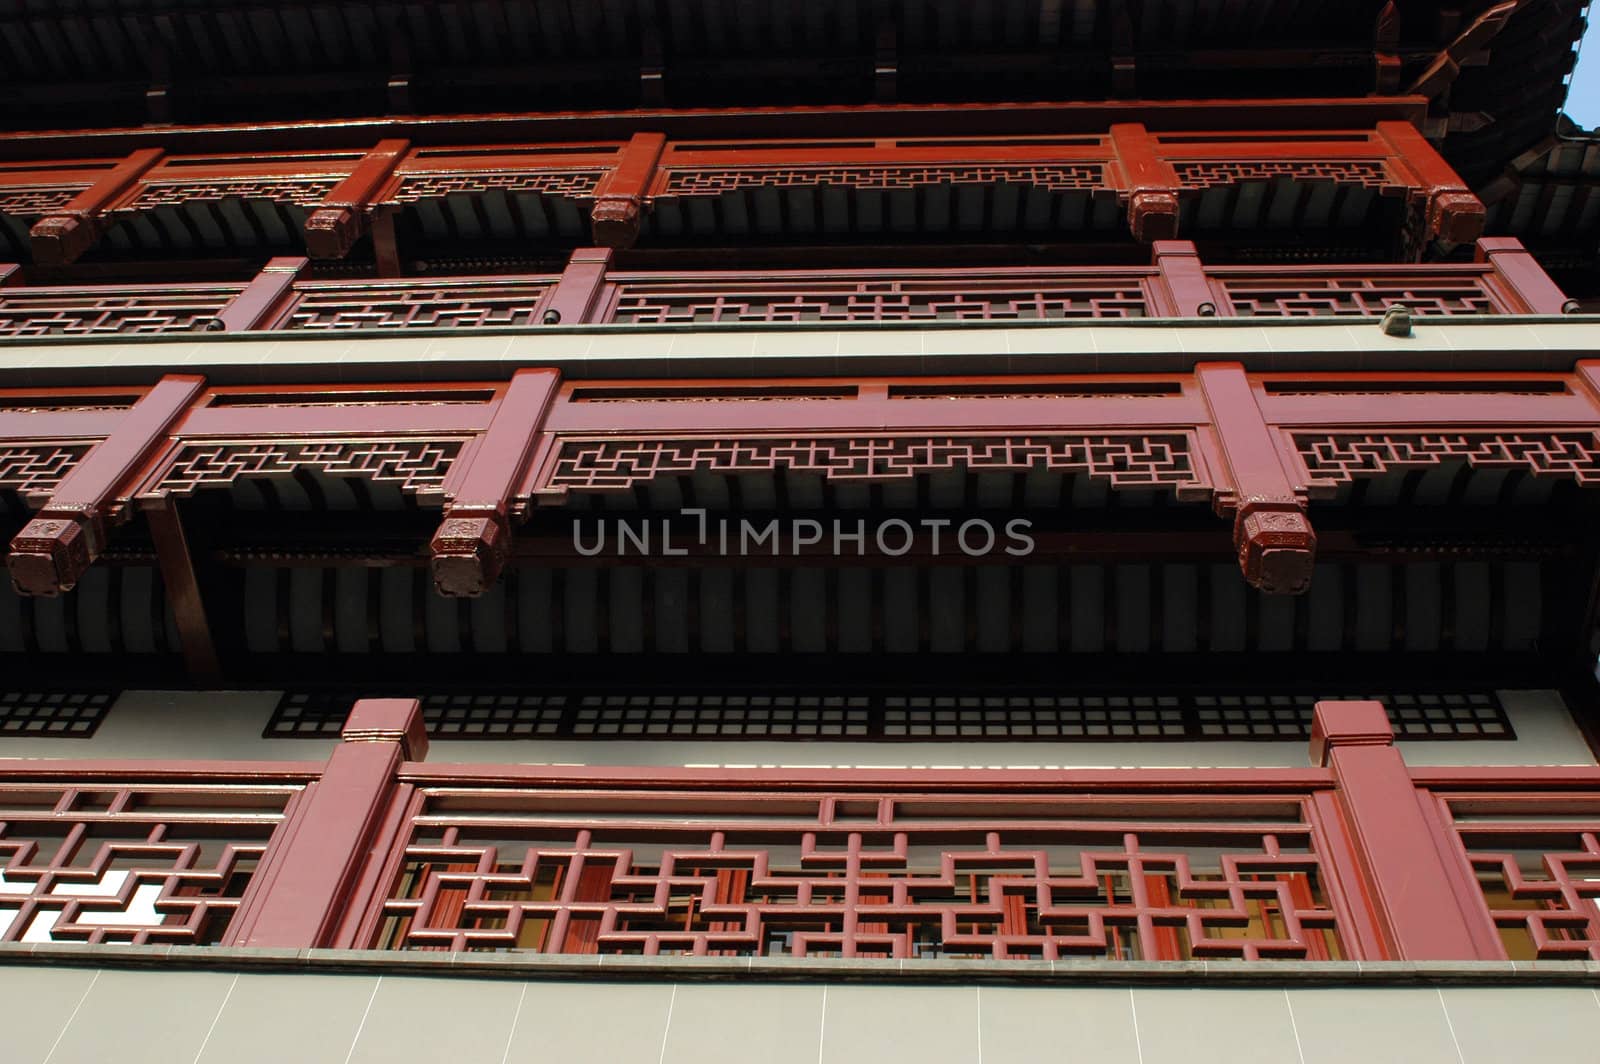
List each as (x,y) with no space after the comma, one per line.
(1505,280)
(1357,858)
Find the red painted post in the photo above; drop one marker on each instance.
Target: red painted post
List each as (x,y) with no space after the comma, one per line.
(260,304)
(1407,882)
(1181,289)
(1521,276)
(474,539)
(1150,181)
(62,236)
(619,201)
(576,298)
(53,550)
(1276,543)
(345,215)
(1449,210)
(302,890)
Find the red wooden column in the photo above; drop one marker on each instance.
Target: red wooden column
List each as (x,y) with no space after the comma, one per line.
(53,550)
(258,306)
(1180,288)
(1407,882)
(1450,212)
(1276,543)
(1521,276)
(346,214)
(63,235)
(303,887)
(474,539)
(619,201)
(576,298)
(1150,180)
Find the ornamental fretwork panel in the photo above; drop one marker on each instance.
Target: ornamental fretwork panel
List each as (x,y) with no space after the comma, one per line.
(415,187)
(850,876)
(1356,295)
(715,182)
(641,299)
(87,312)
(1334,458)
(1536,858)
(1211,173)
(1158,460)
(146,864)
(415,466)
(35,469)
(459,303)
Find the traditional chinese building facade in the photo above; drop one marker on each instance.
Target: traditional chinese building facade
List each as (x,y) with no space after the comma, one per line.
(851,531)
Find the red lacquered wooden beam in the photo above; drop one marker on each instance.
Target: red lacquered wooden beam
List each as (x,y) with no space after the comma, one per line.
(302,889)
(61,236)
(1450,212)
(474,539)
(1150,182)
(1276,544)
(1412,890)
(53,550)
(619,199)
(1180,288)
(345,215)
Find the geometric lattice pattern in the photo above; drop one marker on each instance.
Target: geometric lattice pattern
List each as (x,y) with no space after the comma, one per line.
(25,312)
(713,182)
(1211,173)
(1289,296)
(303,192)
(56,714)
(416,466)
(886,716)
(859,876)
(36,469)
(889,299)
(1124,461)
(575,183)
(462,303)
(1537,861)
(136,863)
(31,201)
(1339,457)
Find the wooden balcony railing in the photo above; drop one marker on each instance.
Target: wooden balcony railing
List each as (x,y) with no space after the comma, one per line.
(1355,858)
(1505,279)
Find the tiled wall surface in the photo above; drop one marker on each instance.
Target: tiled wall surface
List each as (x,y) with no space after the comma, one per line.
(143,1016)
(227,725)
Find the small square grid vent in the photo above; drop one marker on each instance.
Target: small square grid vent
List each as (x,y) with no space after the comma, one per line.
(61,714)
(877,716)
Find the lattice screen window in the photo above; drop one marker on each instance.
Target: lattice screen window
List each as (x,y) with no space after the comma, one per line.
(57,714)
(891,717)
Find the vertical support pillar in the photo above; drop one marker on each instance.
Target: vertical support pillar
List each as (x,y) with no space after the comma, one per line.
(53,550)
(619,201)
(63,235)
(302,890)
(258,306)
(1150,181)
(346,214)
(474,539)
(1181,288)
(1276,543)
(1408,882)
(576,298)
(1447,210)
(1521,276)
(178,576)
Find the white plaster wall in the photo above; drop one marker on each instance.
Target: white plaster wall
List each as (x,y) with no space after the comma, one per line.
(227,725)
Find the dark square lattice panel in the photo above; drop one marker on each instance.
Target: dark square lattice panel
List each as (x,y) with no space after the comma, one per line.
(891,717)
(60,714)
